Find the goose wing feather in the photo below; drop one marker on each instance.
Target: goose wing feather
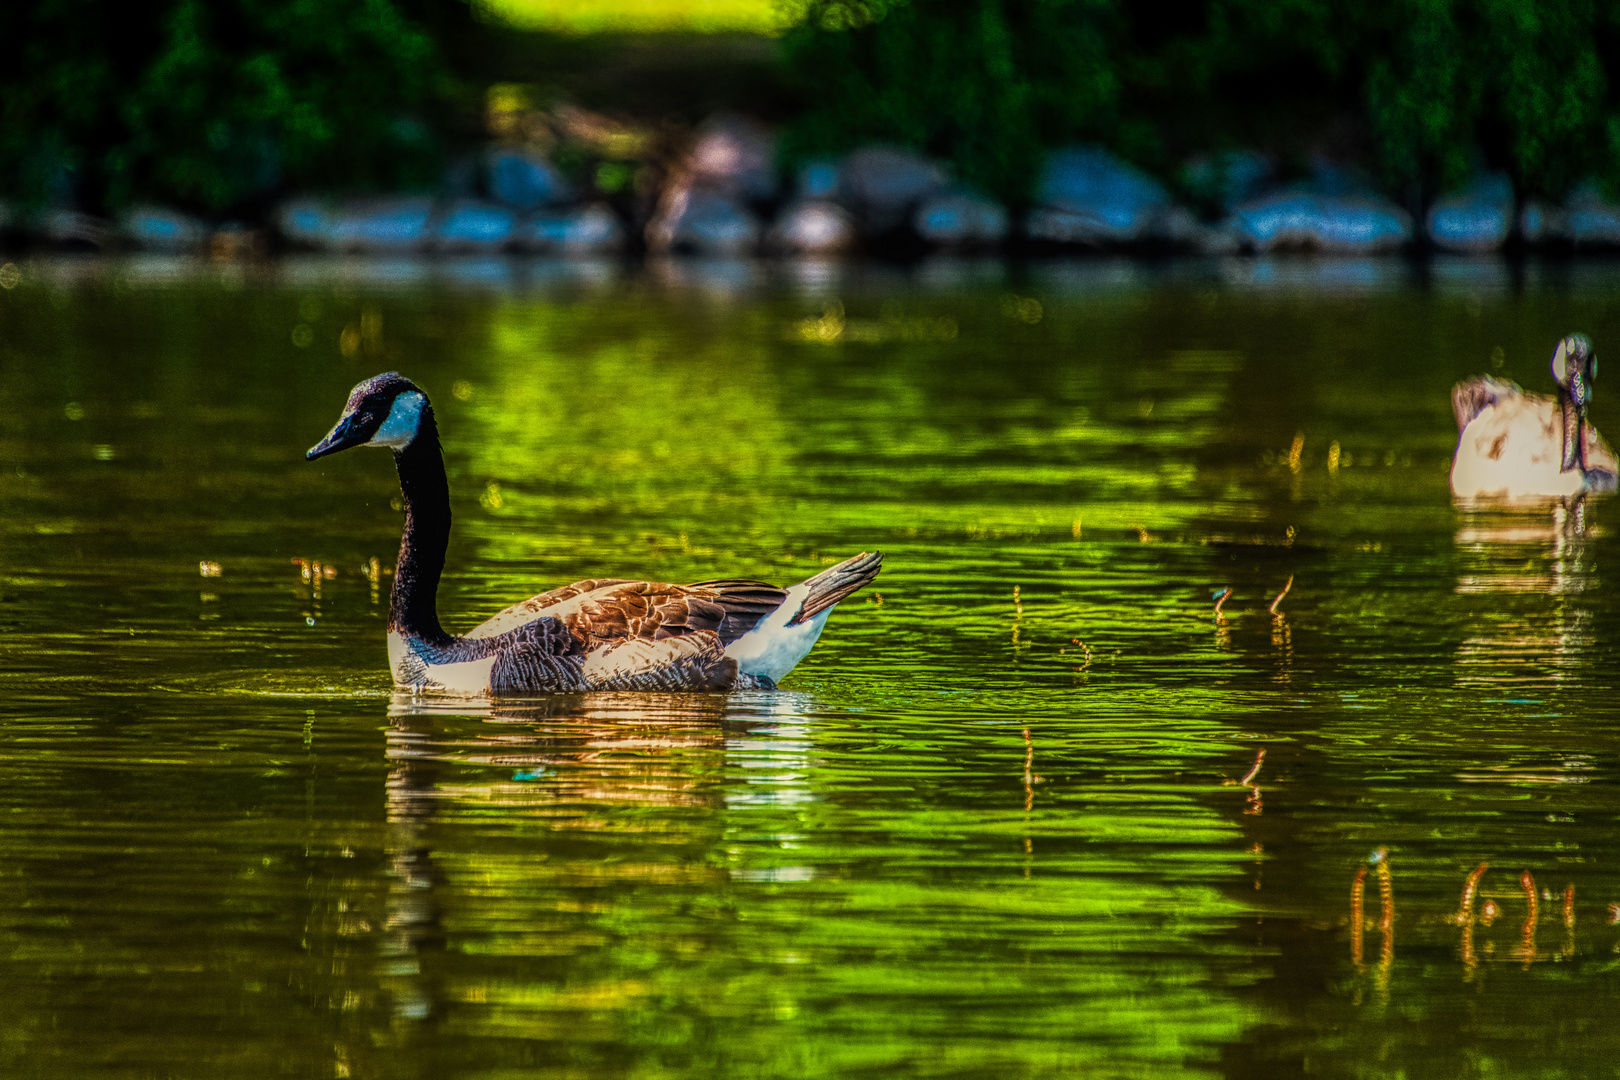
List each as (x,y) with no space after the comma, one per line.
(535,607)
(634,635)
(694,661)
(546,656)
(613,609)
(1473,396)
(646,610)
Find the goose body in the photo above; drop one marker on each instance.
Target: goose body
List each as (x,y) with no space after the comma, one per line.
(1513,444)
(596,634)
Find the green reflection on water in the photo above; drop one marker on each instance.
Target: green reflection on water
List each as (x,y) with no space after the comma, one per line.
(992,827)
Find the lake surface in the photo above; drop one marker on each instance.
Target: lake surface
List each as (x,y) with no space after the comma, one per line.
(994,826)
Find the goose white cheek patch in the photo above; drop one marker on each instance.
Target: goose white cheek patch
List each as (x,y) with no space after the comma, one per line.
(404,418)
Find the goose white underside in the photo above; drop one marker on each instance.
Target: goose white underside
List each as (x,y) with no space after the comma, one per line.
(773,648)
(412,670)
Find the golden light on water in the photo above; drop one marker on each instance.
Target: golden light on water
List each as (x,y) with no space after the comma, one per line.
(631,16)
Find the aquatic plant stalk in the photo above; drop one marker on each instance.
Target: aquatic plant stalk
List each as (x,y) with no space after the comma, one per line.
(1358,889)
(1289,584)
(1527,942)
(1465,910)
(1259,758)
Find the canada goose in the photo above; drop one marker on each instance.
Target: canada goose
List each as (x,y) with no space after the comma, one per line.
(1515,444)
(598,634)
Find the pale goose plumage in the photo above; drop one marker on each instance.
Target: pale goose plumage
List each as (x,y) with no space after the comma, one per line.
(598,634)
(1519,445)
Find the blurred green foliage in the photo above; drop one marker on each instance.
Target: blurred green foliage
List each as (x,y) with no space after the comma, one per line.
(218,105)
(1418,91)
(984,83)
(214,103)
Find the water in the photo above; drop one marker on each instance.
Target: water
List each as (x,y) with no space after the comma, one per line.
(993,826)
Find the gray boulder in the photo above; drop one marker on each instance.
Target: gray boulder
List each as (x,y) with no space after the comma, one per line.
(1544,223)
(157,228)
(1088,196)
(818,180)
(63,226)
(1050,225)
(590,230)
(960,219)
(734,156)
(1179,228)
(813,227)
(704,222)
(1478,219)
(883,184)
(1591,220)
(1337,224)
(305,223)
(520,178)
(382,225)
(1169,225)
(469,225)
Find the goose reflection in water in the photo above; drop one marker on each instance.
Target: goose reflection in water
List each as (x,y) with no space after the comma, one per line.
(561,767)
(1523,629)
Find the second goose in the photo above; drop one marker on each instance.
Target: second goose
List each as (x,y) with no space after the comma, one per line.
(1514,444)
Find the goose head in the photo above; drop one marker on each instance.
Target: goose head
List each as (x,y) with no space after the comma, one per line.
(1574,366)
(382,411)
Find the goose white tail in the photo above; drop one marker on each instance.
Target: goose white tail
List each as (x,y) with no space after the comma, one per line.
(781,639)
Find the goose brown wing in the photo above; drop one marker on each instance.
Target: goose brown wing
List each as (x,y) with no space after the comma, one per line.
(744,602)
(526,611)
(1473,396)
(652,611)
(688,662)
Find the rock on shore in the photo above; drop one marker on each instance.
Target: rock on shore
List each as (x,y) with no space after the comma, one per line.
(519,178)
(1590,220)
(589,230)
(1477,219)
(471,226)
(157,228)
(883,185)
(1087,196)
(722,193)
(703,222)
(961,219)
(813,227)
(1331,224)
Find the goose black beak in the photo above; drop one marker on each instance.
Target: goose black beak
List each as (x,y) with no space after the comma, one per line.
(341,437)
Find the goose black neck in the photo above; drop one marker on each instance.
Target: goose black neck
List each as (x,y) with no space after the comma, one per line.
(1574,433)
(413,609)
